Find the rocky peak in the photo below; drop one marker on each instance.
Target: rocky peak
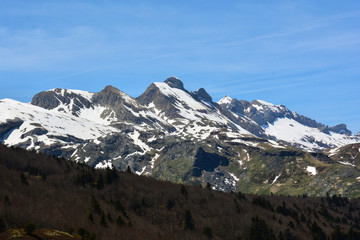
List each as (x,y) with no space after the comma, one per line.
(202,95)
(53,98)
(45,100)
(111,96)
(342,129)
(111,89)
(174,82)
(225,100)
(238,106)
(261,102)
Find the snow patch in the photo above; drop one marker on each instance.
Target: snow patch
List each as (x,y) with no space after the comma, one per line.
(311,170)
(247,155)
(333,151)
(141,172)
(86,159)
(236,179)
(153,138)
(275,144)
(135,137)
(74,153)
(104,164)
(152,162)
(276,178)
(347,163)
(85,94)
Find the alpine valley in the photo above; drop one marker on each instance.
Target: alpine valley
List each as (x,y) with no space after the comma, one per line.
(173,134)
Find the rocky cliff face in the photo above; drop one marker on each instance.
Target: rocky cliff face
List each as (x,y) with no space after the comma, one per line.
(173,134)
(56,98)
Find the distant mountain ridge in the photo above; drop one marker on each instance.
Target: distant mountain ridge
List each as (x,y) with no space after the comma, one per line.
(173,134)
(266,113)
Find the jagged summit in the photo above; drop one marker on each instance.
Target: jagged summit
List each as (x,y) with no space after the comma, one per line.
(262,102)
(225,100)
(341,128)
(112,96)
(110,88)
(175,83)
(203,95)
(55,98)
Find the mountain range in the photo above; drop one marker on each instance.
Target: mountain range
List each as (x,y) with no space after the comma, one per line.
(174,134)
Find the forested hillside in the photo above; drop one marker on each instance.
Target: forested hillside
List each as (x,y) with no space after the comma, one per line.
(57,195)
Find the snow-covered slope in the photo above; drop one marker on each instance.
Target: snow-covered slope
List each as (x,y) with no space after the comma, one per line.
(190,115)
(95,113)
(225,100)
(308,138)
(109,107)
(278,123)
(43,127)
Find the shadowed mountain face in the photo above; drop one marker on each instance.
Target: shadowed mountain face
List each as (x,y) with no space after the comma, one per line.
(201,94)
(174,134)
(174,82)
(207,162)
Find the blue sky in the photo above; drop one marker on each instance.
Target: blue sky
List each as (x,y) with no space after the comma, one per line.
(302,54)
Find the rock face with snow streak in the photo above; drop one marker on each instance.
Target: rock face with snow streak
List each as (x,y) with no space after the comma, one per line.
(56,98)
(201,94)
(279,123)
(347,155)
(173,134)
(181,108)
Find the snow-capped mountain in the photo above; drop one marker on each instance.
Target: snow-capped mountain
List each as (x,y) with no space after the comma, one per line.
(33,127)
(173,134)
(192,114)
(278,123)
(109,107)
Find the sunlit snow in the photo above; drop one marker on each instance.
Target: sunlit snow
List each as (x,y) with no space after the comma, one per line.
(141,172)
(276,178)
(225,100)
(236,178)
(56,123)
(309,138)
(104,164)
(347,163)
(311,170)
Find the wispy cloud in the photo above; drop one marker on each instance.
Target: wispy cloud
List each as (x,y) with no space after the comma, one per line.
(274,87)
(105,67)
(272,36)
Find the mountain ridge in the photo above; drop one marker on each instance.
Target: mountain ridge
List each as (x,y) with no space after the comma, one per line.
(174,134)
